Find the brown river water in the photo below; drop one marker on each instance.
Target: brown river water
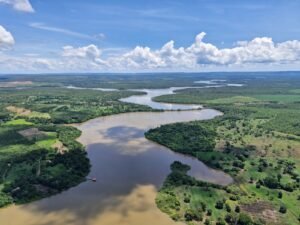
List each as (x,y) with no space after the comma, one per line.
(129,171)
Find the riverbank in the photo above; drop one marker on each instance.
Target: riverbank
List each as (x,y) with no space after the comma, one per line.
(37,152)
(57,148)
(257,142)
(128,168)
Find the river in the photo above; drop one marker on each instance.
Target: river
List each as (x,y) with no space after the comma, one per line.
(129,171)
(152,93)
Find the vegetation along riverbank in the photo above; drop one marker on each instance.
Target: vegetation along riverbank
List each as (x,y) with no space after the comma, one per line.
(257,142)
(39,155)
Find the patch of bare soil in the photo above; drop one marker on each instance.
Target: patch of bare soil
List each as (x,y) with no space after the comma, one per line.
(19,111)
(263,210)
(32,133)
(60,148)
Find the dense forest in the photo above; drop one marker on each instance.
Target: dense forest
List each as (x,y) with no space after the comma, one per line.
(187,138)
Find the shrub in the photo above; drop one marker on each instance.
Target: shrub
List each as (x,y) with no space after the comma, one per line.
(237,209)
(187,199)
(271,182)
(282,209)
(207,221)
(203,206)
(191,214)
(244,219)
(219,205)
(230,218)
(228,208)
(233,197)
(288,187)
(220,222)
(209,212)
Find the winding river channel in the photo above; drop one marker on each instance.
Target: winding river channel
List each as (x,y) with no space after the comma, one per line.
(129,171)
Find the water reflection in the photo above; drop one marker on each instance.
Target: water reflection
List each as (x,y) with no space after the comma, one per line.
(96,89)
(129,170)
(152,93)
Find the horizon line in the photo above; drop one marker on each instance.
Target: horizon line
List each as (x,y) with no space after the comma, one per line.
(133,73)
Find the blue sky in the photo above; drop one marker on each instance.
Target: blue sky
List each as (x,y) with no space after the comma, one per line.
(115,28)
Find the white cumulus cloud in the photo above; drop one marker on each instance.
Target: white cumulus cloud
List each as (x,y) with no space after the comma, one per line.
(139,57)
(258,50)
(19,5)
(261,50)
(258,53)
(90,52)
(87,57)
(6,38)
